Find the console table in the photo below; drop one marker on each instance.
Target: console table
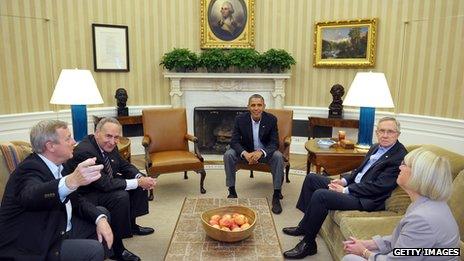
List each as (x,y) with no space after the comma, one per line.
(335,160)
(314,123)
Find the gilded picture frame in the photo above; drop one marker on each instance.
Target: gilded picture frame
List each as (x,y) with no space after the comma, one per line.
(349,43)
(227,24)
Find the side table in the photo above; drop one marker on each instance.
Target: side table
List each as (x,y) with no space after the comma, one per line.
(335,160)
(124,148)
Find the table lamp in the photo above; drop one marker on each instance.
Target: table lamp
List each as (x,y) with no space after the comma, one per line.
(369,90)
(78,89)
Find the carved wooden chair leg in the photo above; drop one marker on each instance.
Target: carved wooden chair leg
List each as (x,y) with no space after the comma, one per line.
(202,180)
(151,196)
(251,174)
(287,170)
(185,175)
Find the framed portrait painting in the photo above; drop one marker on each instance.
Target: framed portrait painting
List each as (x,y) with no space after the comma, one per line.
(348,43)
(110,48)
(227,24)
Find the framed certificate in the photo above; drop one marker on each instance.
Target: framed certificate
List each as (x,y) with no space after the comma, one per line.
(110,48)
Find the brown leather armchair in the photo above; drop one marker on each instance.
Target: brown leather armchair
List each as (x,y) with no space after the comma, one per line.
(284,125)
(166,144)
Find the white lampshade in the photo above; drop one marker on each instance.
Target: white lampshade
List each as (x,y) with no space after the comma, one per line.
(369,89)
(76,87)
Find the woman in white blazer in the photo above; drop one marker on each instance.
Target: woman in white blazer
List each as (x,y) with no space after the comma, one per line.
(428,222)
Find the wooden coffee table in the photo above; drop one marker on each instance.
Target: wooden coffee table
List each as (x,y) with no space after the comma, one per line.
(335,160)
(190,242)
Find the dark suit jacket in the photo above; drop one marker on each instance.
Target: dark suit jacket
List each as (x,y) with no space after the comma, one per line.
(242,135)
(32,216)
(379,180)
(88,148)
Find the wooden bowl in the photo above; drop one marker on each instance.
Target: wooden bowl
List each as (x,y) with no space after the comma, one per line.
(228,236)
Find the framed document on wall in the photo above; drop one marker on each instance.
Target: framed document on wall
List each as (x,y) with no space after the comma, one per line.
(110,48)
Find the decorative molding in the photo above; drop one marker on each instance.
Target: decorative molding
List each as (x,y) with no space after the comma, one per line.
(443,132)
(226,84)
(172,75)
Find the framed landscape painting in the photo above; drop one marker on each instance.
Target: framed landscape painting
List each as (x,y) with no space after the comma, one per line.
(227,24)
(348,43)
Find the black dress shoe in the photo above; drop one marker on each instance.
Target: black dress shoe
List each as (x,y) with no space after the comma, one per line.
(276,207)
(293,231)
(232,193)
(302,250)
(142,231)
(126,255)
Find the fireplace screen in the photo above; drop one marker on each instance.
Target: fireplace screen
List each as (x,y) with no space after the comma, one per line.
(213,127)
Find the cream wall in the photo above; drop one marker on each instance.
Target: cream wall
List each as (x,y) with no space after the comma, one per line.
(419,47)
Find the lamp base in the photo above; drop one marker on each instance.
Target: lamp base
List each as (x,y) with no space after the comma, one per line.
(79,121)
(366,126)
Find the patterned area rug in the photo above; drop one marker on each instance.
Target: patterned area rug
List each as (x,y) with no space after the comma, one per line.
(190,242)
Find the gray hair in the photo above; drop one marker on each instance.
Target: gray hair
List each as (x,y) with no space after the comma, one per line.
(430,174)
(255,96)
(397,123)
(106,120)
(231,7)
(45,131)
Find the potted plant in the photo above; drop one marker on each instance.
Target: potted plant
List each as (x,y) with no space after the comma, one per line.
(214,60)
(245,60)
(275,61)
(180,60)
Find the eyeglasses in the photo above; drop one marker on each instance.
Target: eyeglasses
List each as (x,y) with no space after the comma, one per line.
(388,132)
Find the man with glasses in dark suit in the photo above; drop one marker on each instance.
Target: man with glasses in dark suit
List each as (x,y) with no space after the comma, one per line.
(365,188)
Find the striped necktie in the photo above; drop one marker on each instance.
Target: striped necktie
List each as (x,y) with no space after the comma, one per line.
(107,164)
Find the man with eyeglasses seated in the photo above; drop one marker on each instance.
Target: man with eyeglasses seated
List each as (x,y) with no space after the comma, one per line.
(365,188)
(121,188)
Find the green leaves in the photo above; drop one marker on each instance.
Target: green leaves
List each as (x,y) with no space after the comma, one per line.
(275,61)
(220,60)
(244,60)
(214,60)
(180,60)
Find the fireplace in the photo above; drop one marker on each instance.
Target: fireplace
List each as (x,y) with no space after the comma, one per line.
(213,127)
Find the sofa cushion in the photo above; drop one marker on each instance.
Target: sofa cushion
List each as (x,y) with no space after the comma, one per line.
(455,203)
(12,153)
(367,227)
(398,201)
(338,215)
(456,160)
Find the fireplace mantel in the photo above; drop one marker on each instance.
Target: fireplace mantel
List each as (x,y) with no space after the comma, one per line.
(270,85)
(190,90)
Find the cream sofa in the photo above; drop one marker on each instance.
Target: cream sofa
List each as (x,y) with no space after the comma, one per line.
(340,225)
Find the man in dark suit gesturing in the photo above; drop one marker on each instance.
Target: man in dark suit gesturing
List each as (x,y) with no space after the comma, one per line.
(121,188)
(365,188)
(41,216)
(255,138)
